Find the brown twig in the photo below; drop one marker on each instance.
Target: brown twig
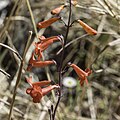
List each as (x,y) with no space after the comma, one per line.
(19,77)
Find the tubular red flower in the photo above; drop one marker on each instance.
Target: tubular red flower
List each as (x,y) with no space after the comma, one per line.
(38,50)
(46,90)
(47,23)
(38,63)
(53,38)
(36,92)
(57,10)
(87,28)
(48,41)
(82,74)
(43,63)
(45,43)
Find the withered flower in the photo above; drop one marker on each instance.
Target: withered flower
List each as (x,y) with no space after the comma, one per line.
(48,41)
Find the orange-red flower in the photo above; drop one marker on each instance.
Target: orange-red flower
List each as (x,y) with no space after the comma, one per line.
(82,74)
(57,10)
(48,22)
(36,91)
(44,43)
(37,63)
(38,50)
(53,38)
(87,28)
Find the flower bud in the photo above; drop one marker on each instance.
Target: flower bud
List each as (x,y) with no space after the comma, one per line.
(57,10)
(48,22)
(87,28)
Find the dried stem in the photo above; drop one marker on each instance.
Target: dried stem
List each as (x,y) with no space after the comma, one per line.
(32,17)
(15,89)
(10,43)
(19,77)
(7,24)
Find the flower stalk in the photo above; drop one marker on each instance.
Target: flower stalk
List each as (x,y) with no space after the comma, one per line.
(62,59)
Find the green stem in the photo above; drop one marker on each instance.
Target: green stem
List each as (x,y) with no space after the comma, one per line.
(99,55)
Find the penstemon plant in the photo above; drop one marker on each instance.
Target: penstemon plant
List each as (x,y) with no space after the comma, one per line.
(36,60)
(65,69)
(39,89)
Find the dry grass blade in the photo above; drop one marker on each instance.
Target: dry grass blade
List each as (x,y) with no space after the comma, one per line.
(27,45)
(6,46)
(71,42)
(91,103)
(10,43)
(32,17)
(8,21)
(14,108)
(5,73)
(105,7)
(19,77)
(115,42)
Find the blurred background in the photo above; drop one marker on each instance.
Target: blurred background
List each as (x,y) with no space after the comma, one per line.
(98,101)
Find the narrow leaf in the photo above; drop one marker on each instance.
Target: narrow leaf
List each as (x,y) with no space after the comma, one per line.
(6,46)
(115,42)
